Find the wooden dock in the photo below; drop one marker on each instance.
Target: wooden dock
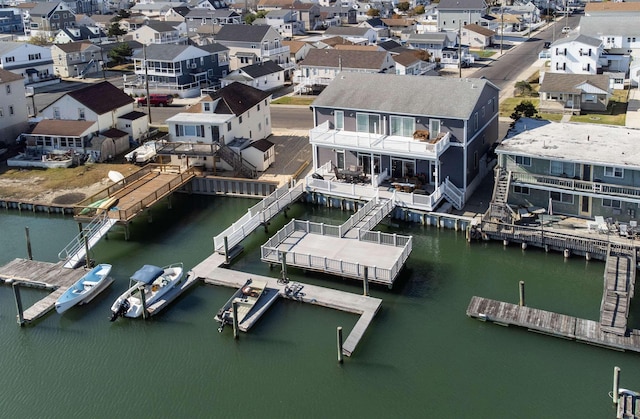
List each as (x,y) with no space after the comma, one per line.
(628,405)
(211,273)
(43,275)
(554,324)
(619,283)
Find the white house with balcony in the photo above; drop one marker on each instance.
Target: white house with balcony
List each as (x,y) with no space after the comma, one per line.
(251,44)
(397,132)
(576,54)
(32,62)
(156,32)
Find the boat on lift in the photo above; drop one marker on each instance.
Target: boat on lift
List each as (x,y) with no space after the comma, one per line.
(246,298)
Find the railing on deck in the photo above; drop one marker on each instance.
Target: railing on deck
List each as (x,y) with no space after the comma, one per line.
(576,185)
(270,252)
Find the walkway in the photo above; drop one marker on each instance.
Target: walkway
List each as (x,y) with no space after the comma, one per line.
(633,108)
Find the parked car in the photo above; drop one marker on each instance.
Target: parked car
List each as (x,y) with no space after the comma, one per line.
(566,29)
(156,100)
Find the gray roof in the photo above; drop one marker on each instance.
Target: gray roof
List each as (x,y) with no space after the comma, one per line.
(407,95)
(567,83)
(346,31)
(44,8)
(158,26)
(348,59)
(213,48)
(280,13)
(461,4)
(242,33)
(602,145)
(206,13)
(9,46)
(598,26)
(432,37)
(163,52)
(262,69)
(583,39)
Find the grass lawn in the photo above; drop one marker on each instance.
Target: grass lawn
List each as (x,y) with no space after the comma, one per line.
(616,111)
(508,105)
(294,100)
(483,53)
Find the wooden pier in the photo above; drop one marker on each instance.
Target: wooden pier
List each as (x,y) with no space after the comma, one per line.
(43,275)
(211,273)
(619,284)
(554,324)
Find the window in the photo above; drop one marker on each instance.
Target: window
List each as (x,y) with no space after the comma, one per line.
(228,126)
(523,160)
(10,110)
(81,113)
(561,197)
(559,168)
(482,112)
(10,59)
(475,121)
(8,89)
(368,123)
(402,126)
(56,113)
(338,120)
(190,130)
(34,57)
(434,127)
(610,203)
(258,106)
(206,106)
(240,119)
(613,172)
(1,112)
(522,190)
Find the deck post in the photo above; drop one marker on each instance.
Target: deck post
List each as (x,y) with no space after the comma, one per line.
(226,250)
(616,385)
(365,283)
(566,253)
(29,253)
(521,288)
(86,250)
(143,300)
(524,245)
(339,337)
(234,307)
(284,267)
(80,227)
(16,293)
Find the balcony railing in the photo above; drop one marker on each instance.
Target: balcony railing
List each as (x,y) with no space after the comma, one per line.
(322,134)
(576,185)
(270,52)
(158,71)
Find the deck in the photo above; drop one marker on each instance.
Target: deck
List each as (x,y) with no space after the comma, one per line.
(554,324)
(619,283)
(211,272)
(43,275)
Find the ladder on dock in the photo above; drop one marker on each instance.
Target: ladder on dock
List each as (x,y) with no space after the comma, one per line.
(259,214)
(76,251)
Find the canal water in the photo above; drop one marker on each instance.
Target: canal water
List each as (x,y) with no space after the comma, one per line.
(421,356)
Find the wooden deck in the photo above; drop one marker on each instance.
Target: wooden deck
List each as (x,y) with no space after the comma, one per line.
(628,405)
(619,282)
(45,275)
(211,272)
(554,324)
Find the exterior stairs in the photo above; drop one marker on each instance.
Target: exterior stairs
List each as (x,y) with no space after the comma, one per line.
(240,166)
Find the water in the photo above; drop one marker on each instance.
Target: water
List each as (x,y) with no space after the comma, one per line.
(421,356)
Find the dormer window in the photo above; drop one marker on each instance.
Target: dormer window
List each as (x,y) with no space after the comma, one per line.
(206,106)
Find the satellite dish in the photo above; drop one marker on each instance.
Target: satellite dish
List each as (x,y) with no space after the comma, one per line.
(115,176)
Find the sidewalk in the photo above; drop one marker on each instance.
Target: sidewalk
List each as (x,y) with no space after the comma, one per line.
(633,109)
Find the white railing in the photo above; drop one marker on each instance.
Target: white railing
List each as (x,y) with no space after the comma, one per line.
(274,51)
(322,134)
(585,186)
(358,216)
(270,252)
(452,193)
(260,213)
(378,216)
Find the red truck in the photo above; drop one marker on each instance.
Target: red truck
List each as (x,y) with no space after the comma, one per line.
(156,100)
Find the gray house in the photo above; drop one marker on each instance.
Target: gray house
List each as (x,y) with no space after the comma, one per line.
(453,14)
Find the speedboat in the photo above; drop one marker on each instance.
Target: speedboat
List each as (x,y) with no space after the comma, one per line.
(85,288)
(246,298)
(147,285)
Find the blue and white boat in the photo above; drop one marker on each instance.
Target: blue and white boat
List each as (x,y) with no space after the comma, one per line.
(149,283)
(85,288)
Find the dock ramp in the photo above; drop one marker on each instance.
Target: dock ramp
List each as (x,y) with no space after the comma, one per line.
(76,251)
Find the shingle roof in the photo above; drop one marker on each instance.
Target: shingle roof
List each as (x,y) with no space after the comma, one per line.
(9,46)
(237,98)
(160,26)
(242,33)
(43,8)
(582,39)
(335,40)
(347,59)
(482,30)
(608,26)
(163,52)
(409,95)
(389,45)
(132,116)
(346,31)
(74,46)
(213,48)
(461,4)
(114,133)
(567,83)
(294,46)
(7,76)
(62,127)
(432,37)
(406,58)
(102,97)
(262,145)
(611,6)
(261,69)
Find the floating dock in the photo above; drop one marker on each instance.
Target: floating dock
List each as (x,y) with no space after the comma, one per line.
(210,272)
(43,275)
(172,294)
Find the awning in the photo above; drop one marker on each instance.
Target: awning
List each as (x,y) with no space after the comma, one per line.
(147,274)
(31,71)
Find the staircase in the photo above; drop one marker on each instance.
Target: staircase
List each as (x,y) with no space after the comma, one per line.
(453,194)
(240,166)
(76,251)
(498,208)
(86,69)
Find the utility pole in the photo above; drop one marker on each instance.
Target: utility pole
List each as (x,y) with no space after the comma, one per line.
(146,81)
(103,63)
(459,49)
(501,28)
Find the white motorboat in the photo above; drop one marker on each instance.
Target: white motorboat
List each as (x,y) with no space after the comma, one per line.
(246,298)
(85,288)
(148,284)
(144,154)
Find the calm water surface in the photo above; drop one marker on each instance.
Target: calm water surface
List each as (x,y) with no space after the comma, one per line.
(421,357)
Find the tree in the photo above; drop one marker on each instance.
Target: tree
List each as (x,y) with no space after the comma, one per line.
(123,14)
(523,88)
(418,10)
(373,12)
(120,53)
(248,19)
(40,40)
(524,108)
(403,6)
(115,30)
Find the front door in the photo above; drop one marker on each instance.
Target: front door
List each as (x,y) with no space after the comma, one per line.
(585,201)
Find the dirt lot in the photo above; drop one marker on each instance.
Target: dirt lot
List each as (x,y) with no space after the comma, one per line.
(58,186)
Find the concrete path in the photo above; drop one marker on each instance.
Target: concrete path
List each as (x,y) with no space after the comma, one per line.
(633,108)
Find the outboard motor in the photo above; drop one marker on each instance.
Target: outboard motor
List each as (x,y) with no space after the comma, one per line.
(123,308)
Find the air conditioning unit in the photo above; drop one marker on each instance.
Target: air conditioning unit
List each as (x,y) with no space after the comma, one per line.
(193,65)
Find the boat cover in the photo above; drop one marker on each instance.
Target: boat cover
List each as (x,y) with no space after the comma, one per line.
(147,274)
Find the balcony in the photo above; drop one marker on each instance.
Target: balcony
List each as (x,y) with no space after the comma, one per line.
(322,135)
(584,187)
(271,52)
(157,71)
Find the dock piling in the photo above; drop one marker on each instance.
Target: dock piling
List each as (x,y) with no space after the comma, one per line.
(143,300)
(85,238)
(236,330)
(226,250)
(339,337)
(29,253)
(284,268)
(16,293)
(616,385)
(365,283)
(521,288)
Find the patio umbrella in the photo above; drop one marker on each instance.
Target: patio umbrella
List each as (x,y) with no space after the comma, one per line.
(550,209)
